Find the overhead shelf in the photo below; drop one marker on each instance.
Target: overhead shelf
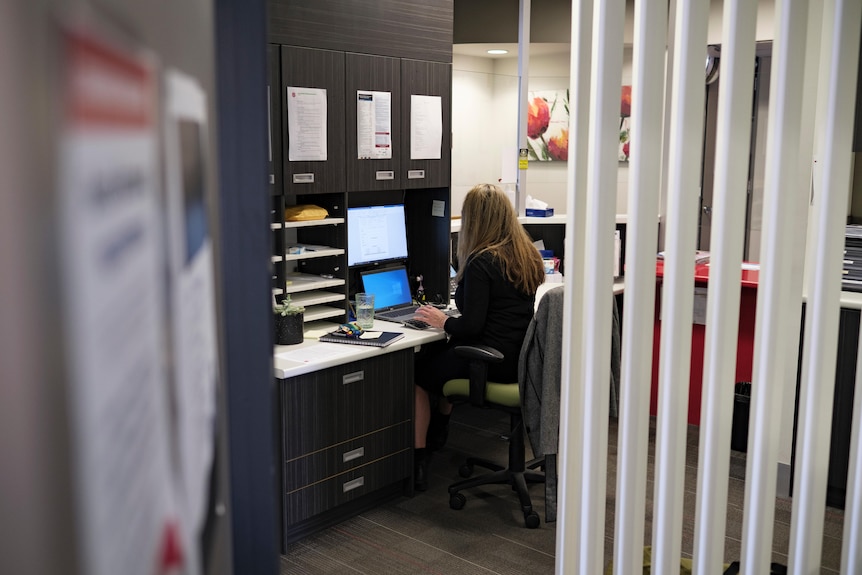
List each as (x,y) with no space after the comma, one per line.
(310,223)
(318,253)
(297,282)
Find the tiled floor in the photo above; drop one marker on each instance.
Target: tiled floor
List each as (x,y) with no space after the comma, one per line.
(422,535)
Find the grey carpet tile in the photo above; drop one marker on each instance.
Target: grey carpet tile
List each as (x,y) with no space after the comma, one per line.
(421,535)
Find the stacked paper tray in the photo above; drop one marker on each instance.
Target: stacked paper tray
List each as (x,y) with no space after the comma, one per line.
(851,279)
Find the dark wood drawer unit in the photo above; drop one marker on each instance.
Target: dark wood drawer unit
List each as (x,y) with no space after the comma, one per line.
(420,78)
(328,407)
(347,438)
(312,68)
(318,466)
(311,500)
(376,74)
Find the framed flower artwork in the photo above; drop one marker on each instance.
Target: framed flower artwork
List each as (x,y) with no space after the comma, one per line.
(548,126)
(625,120)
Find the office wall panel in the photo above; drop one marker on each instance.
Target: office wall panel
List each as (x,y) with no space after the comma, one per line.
(401,28)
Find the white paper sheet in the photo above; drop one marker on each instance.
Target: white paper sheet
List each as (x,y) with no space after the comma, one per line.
(373,125)
(426,127)
(192,301)
(113,301)
(306,124)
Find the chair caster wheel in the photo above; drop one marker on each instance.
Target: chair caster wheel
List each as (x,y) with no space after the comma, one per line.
(465,470)
(457,502)
(531,519)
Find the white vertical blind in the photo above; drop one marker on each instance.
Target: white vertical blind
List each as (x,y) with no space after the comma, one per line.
(571,396)
(642,238)
(684,161)
(722,314)
(606,72)
(840,53)
(776,315)
(592,167)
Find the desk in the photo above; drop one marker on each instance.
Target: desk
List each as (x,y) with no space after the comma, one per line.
(346,434)
(745,346)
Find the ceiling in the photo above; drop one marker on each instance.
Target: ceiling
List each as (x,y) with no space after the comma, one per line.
(480,50)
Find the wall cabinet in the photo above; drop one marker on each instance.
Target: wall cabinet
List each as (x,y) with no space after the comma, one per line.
(378,74)
(322,69)
(346,437)
(423,78)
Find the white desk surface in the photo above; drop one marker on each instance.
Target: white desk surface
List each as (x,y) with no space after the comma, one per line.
(312,355)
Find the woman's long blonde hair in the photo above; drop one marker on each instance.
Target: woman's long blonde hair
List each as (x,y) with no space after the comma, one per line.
(489,224)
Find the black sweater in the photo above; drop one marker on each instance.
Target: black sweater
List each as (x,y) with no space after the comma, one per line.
(493,311)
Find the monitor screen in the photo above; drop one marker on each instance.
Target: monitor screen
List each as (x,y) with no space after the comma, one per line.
(376,234)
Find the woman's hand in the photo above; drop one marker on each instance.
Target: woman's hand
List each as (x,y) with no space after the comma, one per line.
(432,316)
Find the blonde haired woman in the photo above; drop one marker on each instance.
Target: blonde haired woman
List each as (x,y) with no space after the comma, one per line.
(499,273)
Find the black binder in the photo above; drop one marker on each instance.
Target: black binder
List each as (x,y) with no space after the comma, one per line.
(385,338)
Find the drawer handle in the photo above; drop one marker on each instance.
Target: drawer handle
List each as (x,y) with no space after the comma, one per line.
(353,377)
(303,178)
(351,455)
(353,484)
(415,174)
(385,175)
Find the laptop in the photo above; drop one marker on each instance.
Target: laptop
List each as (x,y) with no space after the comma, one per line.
(391,288)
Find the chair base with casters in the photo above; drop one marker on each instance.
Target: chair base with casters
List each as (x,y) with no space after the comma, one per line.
(504,397)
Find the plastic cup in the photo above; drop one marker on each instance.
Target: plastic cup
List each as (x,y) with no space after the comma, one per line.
(365,310)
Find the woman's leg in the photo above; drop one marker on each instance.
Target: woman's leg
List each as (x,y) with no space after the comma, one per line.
(422,416)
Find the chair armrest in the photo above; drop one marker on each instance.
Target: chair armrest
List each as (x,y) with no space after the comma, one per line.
(481,352)
(480,356)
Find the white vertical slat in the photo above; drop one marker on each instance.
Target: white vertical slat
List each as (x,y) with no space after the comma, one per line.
(722,314)
(684,161)
(841,47)
(775,319)
(650,32)
(606,74)
(571,396)
(851,546)
(523,94)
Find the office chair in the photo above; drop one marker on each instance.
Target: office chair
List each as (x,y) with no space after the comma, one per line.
(504,397)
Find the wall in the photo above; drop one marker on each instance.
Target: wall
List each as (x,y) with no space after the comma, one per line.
(485,102)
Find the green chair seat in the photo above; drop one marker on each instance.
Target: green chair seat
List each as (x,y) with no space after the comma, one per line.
(506,394)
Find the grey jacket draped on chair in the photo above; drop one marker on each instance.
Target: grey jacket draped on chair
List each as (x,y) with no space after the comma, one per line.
(540,367)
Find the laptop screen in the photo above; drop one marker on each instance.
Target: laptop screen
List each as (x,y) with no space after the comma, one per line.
(390,287)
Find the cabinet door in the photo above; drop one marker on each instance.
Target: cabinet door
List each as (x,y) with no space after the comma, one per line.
(321,69)
(373,74)
(328,407)
(273,103)
(420,78)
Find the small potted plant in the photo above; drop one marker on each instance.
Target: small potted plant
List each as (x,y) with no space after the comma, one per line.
(289,318)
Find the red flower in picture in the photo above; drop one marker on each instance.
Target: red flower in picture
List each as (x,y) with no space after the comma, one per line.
(538,117)
(558,146)
(626,102)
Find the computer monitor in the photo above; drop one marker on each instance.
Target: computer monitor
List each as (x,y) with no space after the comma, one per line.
(376,234)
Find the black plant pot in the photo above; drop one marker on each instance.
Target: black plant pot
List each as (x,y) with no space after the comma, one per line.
(288,329)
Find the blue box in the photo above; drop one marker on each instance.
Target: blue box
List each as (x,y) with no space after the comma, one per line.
(534,213)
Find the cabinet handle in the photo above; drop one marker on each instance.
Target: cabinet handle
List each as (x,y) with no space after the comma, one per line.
(354,454)
(303,178)
(385,175)
(353,484)
(353,377)
(415,174)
